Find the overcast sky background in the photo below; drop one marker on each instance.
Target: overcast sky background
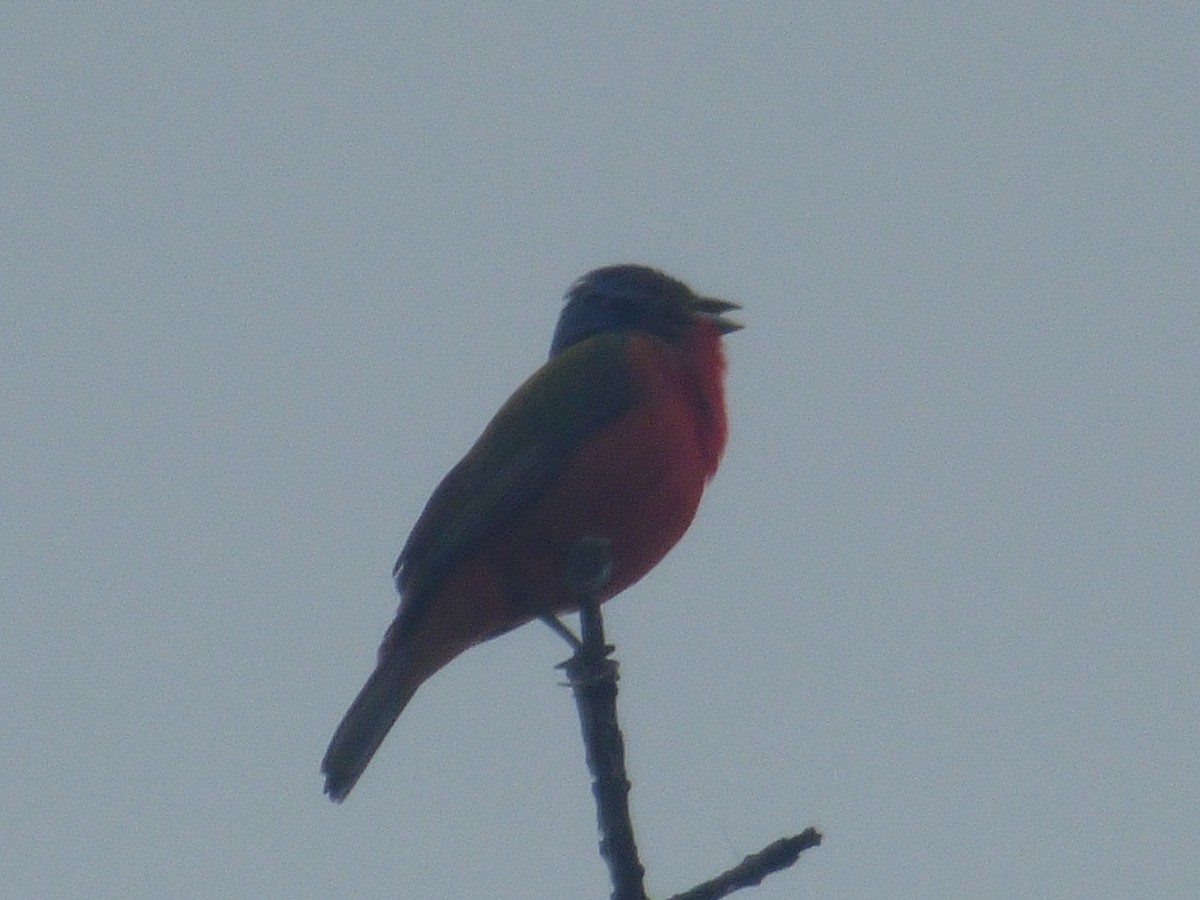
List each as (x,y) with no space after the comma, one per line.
(265,273)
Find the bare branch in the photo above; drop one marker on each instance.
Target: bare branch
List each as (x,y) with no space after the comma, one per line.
(754,868)
(592,675)
(593,679)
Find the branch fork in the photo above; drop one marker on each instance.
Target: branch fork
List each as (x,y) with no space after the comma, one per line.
(592,676)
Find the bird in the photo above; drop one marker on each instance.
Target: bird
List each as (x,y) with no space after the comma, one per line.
(614,437)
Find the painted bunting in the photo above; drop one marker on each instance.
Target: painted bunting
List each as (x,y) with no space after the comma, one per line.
(614,437)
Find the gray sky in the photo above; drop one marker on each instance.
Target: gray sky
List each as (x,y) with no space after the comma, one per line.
(266,273)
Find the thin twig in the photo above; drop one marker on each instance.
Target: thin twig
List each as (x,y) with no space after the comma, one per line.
(754,868)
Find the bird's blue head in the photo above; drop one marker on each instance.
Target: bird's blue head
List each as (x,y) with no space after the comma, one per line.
(635,298)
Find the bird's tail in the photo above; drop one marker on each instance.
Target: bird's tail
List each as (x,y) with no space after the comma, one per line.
(368,721)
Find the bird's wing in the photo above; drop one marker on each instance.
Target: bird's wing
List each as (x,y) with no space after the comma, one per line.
(523,448)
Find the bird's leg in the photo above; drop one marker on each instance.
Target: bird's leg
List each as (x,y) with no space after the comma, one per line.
(588,570)
(589,567)
(562,630)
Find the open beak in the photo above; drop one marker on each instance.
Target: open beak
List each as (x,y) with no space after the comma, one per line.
(711,308)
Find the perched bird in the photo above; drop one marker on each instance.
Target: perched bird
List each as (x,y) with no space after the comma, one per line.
(614,437)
